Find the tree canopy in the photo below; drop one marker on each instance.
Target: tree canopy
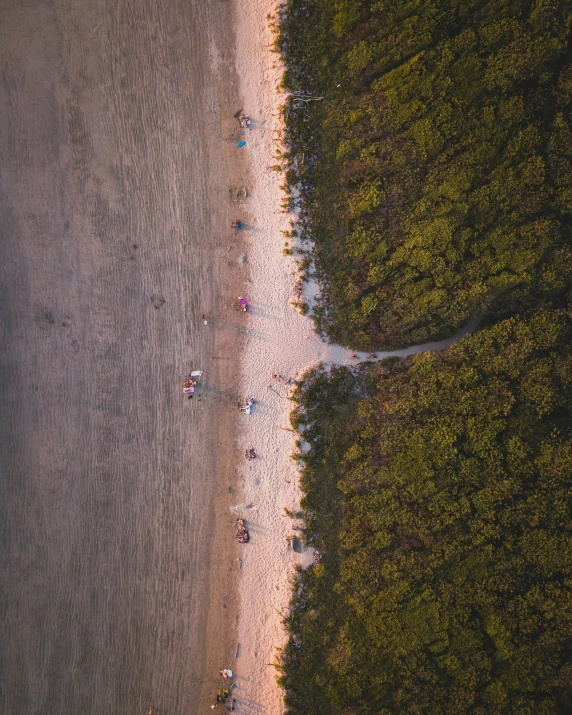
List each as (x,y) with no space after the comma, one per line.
(436,170)
(438,489)
(430,143)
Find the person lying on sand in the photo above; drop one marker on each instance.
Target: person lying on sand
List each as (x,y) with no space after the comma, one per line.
(242,536)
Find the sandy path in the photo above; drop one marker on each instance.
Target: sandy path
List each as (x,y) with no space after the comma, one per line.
(114,223)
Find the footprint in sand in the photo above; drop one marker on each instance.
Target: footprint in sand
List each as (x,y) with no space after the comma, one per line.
(157,301)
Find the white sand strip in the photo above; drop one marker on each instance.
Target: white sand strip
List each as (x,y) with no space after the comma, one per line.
(280,341)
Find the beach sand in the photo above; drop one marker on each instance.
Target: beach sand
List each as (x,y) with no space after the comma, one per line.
(118,497)
(117,158)
(279,341)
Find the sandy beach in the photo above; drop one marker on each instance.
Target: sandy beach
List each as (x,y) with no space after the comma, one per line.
(121,586)
(117,165)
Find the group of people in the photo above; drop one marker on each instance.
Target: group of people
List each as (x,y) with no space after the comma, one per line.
(224,695)
(188,385)
(245,124)
(282,380)
(247,407)
(243,304)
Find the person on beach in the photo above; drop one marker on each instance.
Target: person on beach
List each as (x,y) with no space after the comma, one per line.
(237,225)
(204,319)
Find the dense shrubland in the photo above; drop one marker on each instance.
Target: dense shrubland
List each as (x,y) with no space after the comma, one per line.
(438,490)
(430,144)
(435,162)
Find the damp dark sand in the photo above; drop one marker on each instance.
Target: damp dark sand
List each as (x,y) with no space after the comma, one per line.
(116,159)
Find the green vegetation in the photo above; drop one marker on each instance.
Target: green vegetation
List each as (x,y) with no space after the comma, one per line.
(431,142)
(431,146)
(438,490)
